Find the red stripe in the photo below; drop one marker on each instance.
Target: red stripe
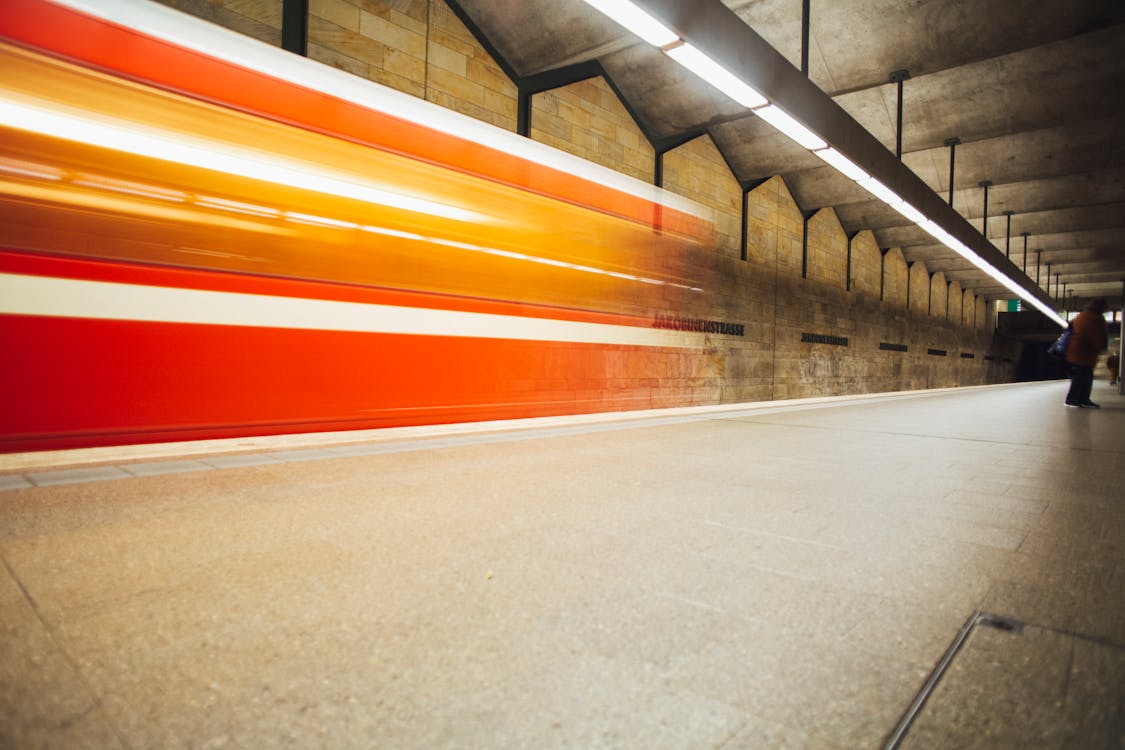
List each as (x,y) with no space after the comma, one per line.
(100,382)
(241,283)
(121,50)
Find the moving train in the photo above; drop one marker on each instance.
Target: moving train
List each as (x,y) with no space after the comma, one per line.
(202,236)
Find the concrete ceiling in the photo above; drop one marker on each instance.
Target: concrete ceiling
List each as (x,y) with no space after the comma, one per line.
(1034,91)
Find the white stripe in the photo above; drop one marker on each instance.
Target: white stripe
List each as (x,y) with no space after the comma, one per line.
(72,298)
(187,31)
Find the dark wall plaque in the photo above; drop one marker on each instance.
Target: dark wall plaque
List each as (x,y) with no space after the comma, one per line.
(892,347)
(820,338)
(936,352)
(675,323)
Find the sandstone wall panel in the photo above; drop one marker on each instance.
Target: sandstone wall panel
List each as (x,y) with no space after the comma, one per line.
(260,19)
(939,296)
(894,279)
(697,170)
(867,265)
(827,249)
(587,119)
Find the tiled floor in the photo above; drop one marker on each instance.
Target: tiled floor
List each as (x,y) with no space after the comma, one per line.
(783,577)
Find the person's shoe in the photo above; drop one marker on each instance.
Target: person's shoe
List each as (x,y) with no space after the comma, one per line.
(1072,403)
(1090,405)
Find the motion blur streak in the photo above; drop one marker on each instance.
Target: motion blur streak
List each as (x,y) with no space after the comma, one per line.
(36,295)
(161,279)
(241,162)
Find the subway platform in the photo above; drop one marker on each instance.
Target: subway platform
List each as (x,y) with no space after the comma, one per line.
(918,570)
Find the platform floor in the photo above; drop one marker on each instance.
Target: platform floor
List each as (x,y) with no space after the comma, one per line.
(781,576)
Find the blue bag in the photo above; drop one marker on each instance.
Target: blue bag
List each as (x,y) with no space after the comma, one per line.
(1058,349)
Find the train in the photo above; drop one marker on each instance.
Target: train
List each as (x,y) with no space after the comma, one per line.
(202,236)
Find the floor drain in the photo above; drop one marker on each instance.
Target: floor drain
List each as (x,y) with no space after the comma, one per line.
(1000,623)
(977,618)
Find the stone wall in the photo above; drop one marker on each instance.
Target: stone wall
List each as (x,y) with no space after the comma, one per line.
(827,249)
(939,296)
(378,42)
(823,314)
(260,19)
(954,303)
(775,229)
(919,288)
(588,120)
(895,279)
(866,265)
(419,47)
(462,76)
(985,315)
(697,170)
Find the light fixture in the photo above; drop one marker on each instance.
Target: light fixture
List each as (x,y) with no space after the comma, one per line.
(843,164)
(959,247)
(911,213)
(634,19)
(931,228)
(784,122)
(880,191)
(716,75)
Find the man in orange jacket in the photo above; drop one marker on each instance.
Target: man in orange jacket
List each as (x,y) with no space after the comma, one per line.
(1089,338)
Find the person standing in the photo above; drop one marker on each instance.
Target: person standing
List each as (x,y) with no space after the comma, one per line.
(1089,338)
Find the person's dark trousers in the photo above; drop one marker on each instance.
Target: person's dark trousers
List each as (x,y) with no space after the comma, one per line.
(1081,382)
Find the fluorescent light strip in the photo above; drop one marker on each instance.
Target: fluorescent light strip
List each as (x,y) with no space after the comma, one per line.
(935,231)
(637,21)
(842,164)
(880,191)
(954,244)
(132,139)
(911,213)
(785,123)
(716,75)
(892,199)
(728,83)
(183,30)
